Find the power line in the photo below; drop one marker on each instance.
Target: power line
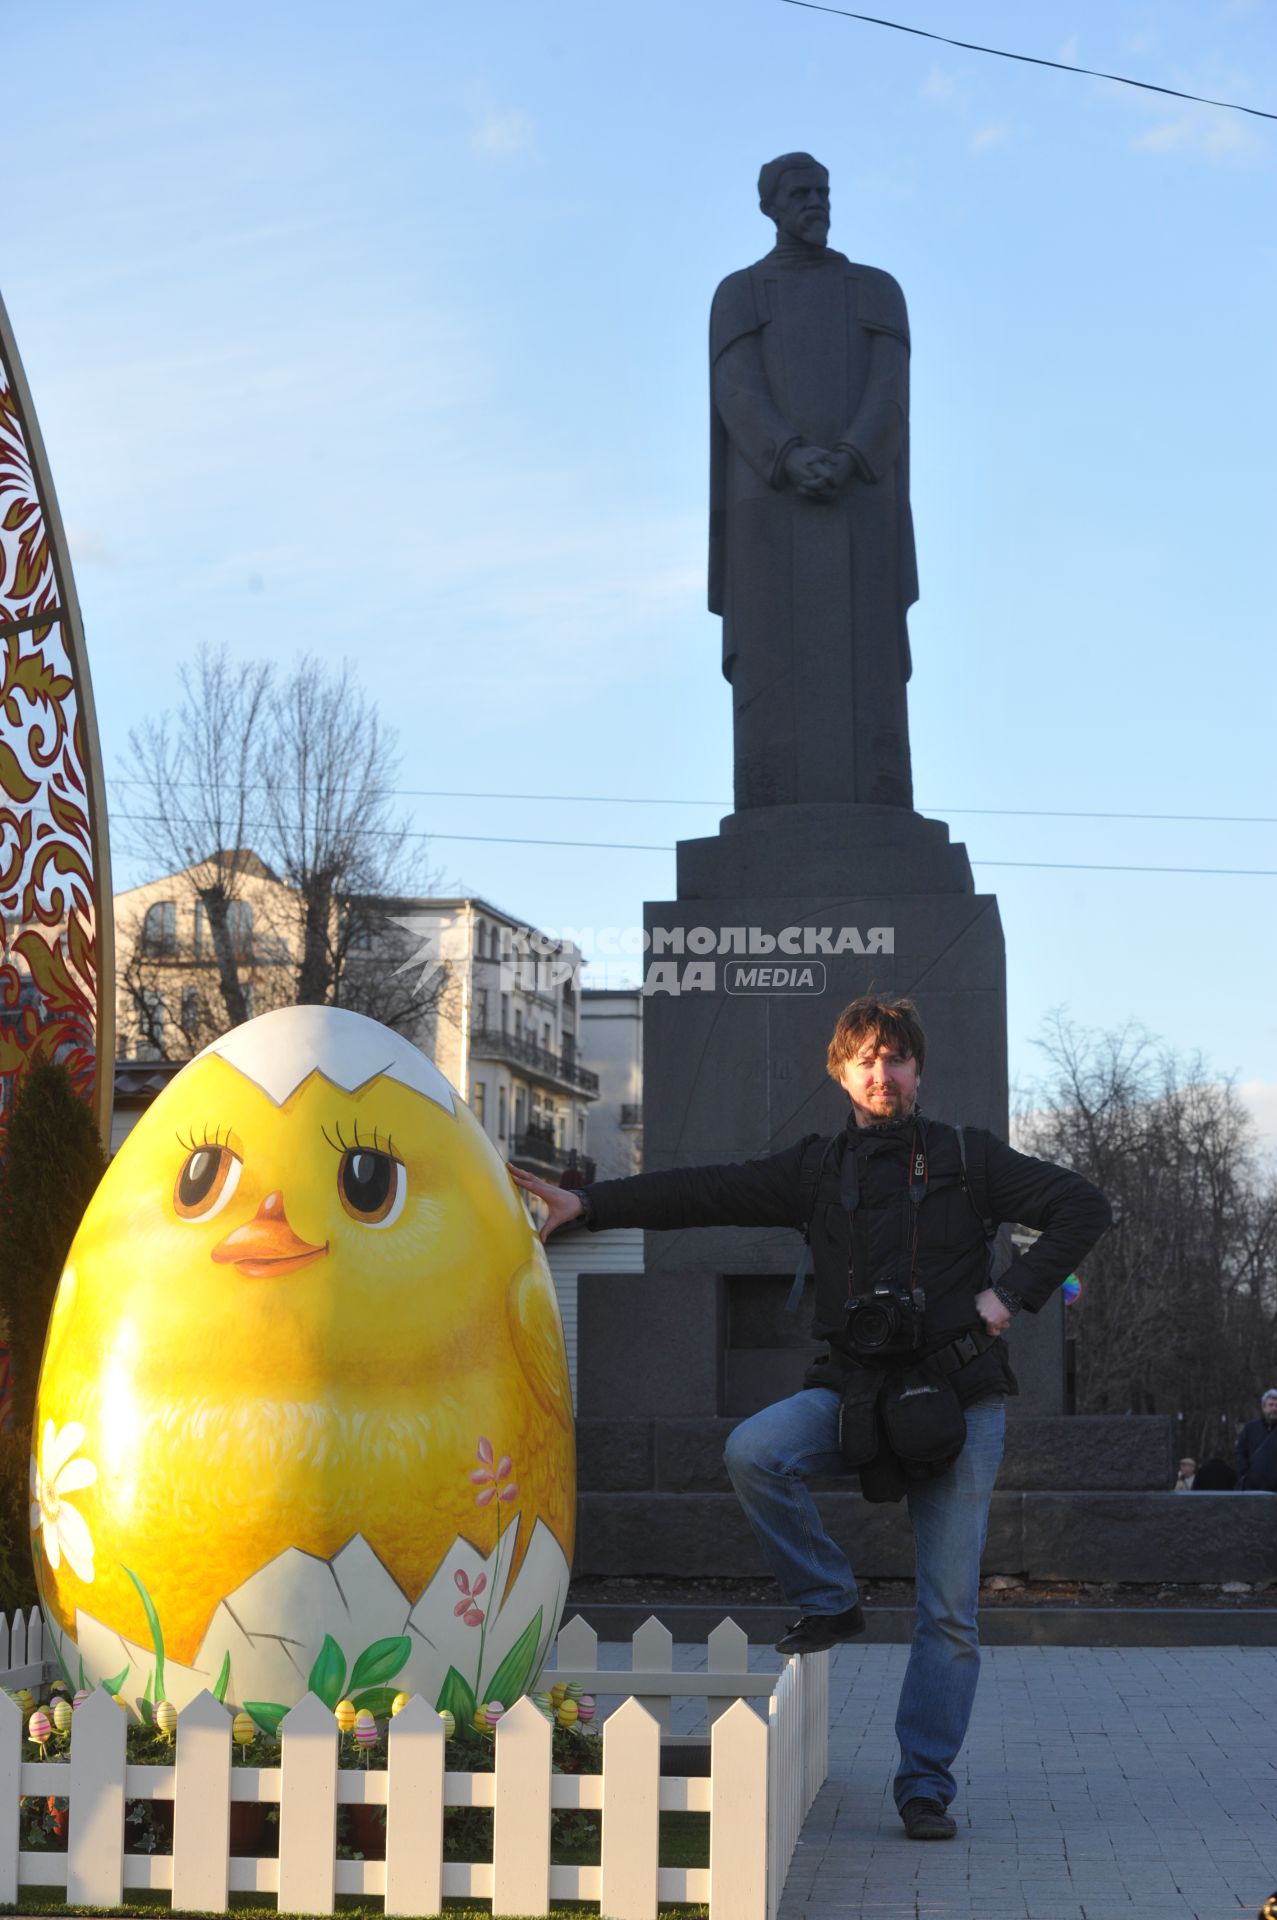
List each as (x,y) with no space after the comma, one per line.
(666,800)
(642,846)
(1032,59)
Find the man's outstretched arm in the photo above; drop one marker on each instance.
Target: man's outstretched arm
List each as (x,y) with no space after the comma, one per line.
(748,1193)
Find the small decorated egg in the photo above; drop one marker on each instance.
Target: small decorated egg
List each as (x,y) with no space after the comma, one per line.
(449,1724)
(80,1697)
(62,1711)
(558,1692)
(344,1713)
(493,1712)
(25,1700)
(543,1703)
(243,1729)
(574,1690)
(399,1702)
(586,1708)
(39,1727)
(166,1717)
(566,1715)
(366,1728)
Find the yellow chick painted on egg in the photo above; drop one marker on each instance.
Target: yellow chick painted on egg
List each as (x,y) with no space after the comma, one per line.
(306,1304)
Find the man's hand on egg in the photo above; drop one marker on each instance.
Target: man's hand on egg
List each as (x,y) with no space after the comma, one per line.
(562,1203)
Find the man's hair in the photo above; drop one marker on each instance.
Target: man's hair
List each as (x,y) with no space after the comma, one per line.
(889,1023)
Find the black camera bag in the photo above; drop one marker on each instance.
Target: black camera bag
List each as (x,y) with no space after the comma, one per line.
(923,1420)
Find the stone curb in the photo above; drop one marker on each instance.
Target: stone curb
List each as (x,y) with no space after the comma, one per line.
(1000,1626)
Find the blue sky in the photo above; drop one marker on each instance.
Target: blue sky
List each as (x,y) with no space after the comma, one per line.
(380,333)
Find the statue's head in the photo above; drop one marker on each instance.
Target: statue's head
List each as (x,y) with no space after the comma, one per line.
(793,190)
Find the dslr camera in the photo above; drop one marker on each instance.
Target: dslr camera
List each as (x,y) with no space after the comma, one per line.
(885,1325)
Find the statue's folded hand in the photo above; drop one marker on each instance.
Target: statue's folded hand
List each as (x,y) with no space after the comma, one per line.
(809,471)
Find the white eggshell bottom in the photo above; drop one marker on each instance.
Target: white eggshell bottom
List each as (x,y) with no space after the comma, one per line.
(274,1626)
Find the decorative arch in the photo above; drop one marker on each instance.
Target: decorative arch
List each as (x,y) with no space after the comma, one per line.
(57,996)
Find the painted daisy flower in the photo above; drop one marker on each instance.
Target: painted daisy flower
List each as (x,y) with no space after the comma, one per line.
(55,1475)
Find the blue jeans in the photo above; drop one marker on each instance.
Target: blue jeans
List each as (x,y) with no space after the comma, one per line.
(768,1458)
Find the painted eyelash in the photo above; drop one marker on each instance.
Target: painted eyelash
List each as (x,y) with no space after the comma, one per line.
(215,1139)
(376,1145)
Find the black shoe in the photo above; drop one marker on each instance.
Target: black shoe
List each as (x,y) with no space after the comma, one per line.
(816,1631)
(927,1820)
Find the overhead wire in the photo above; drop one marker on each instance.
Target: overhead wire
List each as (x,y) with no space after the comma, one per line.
(668,800)
(641,846)
(1032,59)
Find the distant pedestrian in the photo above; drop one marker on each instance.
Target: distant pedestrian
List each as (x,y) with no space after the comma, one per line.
(1184,1484)
(1256,1451)
(1214,1476)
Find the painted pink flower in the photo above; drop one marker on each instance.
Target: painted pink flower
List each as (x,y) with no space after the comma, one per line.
(466,1609)
(492,1477)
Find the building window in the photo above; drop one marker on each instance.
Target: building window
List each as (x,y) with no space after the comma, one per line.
(479,1101)
(192,1012)
(239,928)
(520,1110)
(518,1023)
(545,1037)
(159,931)
(495,948)
(481,1009)
(153,1018)
(502,1112)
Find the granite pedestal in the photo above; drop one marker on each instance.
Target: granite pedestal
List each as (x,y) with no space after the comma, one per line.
(734,1067)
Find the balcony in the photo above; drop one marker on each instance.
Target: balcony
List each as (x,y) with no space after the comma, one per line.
(631,1116)
(490,1043)
(536,1147)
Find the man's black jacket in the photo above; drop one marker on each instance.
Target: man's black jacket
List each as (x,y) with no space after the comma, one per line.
(850,1195)
(1256,1457)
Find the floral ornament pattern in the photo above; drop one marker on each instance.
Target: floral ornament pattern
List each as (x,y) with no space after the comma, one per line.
(49,830)
(55,1475)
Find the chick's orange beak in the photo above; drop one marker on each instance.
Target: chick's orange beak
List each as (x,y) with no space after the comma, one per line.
(266,1247)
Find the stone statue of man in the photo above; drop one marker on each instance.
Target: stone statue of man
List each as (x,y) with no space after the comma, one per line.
(812,560)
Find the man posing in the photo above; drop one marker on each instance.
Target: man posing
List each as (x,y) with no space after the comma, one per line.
(898,1211)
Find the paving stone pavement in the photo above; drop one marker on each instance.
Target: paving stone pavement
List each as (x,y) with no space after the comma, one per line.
(1096,1784)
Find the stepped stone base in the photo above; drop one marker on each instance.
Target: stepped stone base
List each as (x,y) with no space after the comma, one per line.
(1044,1454)
(1141,1537)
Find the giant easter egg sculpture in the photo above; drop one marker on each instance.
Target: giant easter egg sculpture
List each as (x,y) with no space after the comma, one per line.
(304,1415)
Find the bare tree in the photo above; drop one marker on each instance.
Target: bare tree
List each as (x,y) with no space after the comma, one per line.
(328,781)
(271,801)
(1178,1311)
(194,772)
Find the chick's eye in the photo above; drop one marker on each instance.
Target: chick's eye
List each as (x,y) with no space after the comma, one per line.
(372,1186)
(208,1178)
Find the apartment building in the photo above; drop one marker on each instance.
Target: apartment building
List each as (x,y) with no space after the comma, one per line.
(497,1002)
(506,1028)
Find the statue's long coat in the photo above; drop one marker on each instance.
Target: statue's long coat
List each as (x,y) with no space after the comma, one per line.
(814,594)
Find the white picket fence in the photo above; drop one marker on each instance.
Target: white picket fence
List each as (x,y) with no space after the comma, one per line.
(797,1714)
(22,1661)
(764,1775)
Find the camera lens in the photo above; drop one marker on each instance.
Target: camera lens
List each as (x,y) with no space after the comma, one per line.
(874,1326)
